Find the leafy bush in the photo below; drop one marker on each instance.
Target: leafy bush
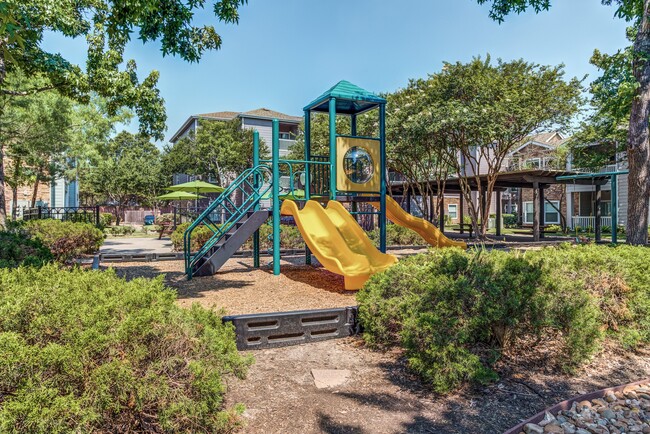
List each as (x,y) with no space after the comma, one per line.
(553,228)
(66,240)
(120,230)
(86,351)
(509,220)
(17,250)
(106,219)
(164,218)
(455,312)
(290,237)
(397,235)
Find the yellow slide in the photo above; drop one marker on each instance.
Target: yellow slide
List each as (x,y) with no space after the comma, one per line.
(426,230)
(337,240)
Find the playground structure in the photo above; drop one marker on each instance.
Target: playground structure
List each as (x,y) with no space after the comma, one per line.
(354,172)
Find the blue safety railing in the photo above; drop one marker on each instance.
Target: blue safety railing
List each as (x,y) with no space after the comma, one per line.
(250,186)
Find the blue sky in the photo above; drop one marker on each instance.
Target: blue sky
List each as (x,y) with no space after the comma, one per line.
(284,53)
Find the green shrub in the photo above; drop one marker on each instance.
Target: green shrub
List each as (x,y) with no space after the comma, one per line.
(290,237)
(106,219)
(17,249)
(164,218)
(66,240)
(120,230)
(455,312)
(397,235)
(86,351)
(509,220)
(553,228)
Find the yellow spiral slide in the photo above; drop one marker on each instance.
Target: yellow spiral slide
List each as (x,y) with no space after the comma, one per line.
(426,230)
(338,242)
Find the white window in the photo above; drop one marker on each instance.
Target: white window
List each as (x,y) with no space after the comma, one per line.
(452,210)
(285,136)
(533,163)
(551,215)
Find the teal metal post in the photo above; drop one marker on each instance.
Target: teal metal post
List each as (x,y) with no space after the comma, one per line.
(353,125)
(276,196)
(614,184)
(256,185)
(382,168)
(307,141)
(332,110)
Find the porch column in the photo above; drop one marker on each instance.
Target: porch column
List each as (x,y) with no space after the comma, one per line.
(569,207)
(536,212)
(442,213)
(498,222)
(542,211)
(614,184)
(597,231)
(520,207)
(408,201)
(462,212)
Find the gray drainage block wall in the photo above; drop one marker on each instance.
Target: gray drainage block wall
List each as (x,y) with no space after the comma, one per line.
(278,329)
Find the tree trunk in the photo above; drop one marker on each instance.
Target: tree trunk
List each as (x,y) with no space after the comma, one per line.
(35,192)
(638,152)
(14,202)
(3,208)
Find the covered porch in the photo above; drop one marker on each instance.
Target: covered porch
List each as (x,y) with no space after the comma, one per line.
(537,180)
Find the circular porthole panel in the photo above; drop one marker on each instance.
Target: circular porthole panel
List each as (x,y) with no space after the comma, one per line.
(358,165)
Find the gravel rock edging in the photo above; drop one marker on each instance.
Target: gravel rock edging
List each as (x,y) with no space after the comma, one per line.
(580,405)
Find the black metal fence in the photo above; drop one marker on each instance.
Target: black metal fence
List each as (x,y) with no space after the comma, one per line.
(85,214)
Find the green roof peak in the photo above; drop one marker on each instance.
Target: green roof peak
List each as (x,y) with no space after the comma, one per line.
(350,99)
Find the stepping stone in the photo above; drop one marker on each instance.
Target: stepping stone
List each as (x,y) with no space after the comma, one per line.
(324,378)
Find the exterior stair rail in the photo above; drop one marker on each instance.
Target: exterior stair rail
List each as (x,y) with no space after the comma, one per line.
(252,185)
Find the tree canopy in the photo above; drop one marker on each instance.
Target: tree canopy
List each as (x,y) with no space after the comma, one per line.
(612,103)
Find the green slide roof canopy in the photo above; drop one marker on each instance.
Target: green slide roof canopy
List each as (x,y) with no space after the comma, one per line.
(350,99)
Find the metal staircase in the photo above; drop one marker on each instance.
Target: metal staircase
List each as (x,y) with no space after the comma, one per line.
(232,221)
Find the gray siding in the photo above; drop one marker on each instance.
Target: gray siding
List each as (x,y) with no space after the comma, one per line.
(265,128)
(622,199)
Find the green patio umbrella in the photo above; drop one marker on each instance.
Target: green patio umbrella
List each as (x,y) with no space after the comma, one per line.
(197,187)
(179,195)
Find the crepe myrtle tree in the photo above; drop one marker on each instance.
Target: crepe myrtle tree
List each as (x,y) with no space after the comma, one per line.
(478,112)
(414,150)
(107,26)
(637,147)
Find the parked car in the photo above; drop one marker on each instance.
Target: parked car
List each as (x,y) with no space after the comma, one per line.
(149,219)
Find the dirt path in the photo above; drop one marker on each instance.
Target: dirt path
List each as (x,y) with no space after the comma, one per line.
(380,396)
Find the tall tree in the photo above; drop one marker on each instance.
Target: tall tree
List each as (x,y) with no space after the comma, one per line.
(638,133)
(107,26)
(479,112)
(128,173)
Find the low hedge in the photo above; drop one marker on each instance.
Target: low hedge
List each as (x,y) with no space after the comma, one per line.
(66,240)
(16,250)
(456,312)
(86,351)
(290,237)
(397,235)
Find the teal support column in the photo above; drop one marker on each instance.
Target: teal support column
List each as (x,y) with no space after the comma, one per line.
(382,168)
(275,160)
(256,185)
(307,141)
(614,184)
(332,111)
(353,125)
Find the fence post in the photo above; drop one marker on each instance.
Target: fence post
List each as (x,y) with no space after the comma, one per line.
(97,215)
(39,212)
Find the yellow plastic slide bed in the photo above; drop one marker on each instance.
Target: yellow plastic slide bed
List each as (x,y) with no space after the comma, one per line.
(337,240)
(426,230)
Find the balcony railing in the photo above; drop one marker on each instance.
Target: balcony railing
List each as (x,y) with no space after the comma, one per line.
(590,221)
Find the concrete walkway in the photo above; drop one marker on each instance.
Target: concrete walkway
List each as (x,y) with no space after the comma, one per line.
(135,246)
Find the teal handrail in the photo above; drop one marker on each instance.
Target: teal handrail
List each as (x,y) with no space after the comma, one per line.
(252,187)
